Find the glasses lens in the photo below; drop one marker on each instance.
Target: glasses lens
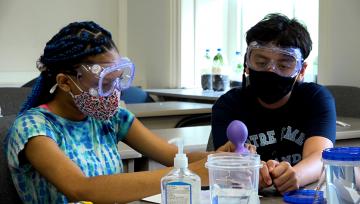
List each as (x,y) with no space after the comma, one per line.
(281,63)
(87,80)
(109,81)
(126,78)
(119,77)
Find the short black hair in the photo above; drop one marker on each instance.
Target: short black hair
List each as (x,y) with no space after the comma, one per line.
(282,31)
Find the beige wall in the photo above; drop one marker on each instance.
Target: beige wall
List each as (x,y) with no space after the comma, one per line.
(25,26)
(149,41)
(339,42)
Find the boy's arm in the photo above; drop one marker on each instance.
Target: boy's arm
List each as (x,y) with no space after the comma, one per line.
(286,177)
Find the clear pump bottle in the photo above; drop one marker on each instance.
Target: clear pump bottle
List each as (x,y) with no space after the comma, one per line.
(180,185)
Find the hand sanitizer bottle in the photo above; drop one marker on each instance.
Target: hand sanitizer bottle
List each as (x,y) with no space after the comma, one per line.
(180,186)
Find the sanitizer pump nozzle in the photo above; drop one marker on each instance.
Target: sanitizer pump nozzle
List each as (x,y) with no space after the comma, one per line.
(180,160)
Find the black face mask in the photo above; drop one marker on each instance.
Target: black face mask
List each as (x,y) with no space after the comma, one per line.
(270,87)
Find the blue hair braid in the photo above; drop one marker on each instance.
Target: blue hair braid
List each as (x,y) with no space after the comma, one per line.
(68,47)
(35,93)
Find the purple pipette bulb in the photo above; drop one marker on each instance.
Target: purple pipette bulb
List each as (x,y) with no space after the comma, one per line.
(237,133)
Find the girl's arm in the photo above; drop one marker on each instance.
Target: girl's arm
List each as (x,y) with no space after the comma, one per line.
(48,159)
(146,142)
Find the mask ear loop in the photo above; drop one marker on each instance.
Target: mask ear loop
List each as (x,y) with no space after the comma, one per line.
(77,86)
(292,87)
(245,83)
(53,88)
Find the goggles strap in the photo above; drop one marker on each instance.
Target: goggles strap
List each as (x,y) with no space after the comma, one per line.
(75,84)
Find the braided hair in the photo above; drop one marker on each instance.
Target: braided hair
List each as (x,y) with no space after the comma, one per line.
(68,47)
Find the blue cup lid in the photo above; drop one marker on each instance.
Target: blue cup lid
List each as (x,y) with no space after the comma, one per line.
(304,196)
(342,154)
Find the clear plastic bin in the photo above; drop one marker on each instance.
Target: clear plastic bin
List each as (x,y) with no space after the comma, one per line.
(342,166)
(234,178)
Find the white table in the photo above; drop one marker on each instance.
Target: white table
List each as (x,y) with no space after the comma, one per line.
(167,114)
(195,138)
(128,155)
(353,131)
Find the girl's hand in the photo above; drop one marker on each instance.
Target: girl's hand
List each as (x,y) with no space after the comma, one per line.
(230,147)
(227,147)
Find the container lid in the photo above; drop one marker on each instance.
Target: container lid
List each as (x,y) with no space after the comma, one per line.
(233,161)
(304,196)
(342,154)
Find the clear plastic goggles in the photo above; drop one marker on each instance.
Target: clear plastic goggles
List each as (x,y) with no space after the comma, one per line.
(285,62)
(102,80)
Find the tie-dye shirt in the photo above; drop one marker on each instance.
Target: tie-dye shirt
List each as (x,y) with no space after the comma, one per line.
(91,144)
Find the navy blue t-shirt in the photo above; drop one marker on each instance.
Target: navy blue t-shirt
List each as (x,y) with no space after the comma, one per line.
(280,133)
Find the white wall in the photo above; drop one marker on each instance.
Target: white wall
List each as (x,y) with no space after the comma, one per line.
(339,42)
(26,26)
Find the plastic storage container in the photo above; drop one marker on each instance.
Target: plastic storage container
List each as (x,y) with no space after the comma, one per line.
(342,167)
(233,177)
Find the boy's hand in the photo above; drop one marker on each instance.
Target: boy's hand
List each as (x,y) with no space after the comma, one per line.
(265,179)
(285,177)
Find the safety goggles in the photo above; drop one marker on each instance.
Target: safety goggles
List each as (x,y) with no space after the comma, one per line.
(102,80)
(285,62)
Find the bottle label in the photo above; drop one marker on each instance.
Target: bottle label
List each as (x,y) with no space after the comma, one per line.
(178,192)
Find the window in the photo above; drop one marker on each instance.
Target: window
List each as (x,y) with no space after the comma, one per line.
(213,24)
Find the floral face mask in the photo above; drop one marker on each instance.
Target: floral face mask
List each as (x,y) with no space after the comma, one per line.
(98,107)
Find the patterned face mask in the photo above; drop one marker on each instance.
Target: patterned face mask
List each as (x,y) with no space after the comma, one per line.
(102,108)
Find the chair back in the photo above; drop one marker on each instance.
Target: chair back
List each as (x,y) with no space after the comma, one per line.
(135,94)
(210,145)
(194,120)
(12,98)
(8,193)
(30,83)
(347,100)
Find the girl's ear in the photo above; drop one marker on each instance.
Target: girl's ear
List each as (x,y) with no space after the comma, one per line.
(63,82)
